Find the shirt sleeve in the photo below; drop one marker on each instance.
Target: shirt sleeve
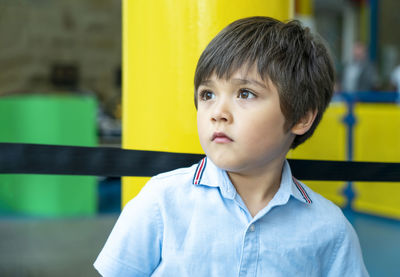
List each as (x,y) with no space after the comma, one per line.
(134,245)
(347,258)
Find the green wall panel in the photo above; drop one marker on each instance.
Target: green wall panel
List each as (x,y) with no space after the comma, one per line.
(48,119)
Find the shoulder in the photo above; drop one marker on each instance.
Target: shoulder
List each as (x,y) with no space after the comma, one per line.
(184,174)
(337,233)
(172,180)
(166,186)
(326,214)
(331,230)
(161,191)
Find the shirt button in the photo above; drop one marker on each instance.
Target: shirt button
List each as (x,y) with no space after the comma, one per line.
(252,228)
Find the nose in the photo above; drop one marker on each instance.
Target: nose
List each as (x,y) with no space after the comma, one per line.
(222,111)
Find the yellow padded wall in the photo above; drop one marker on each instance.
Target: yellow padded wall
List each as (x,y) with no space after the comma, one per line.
(377,138)
(304,7)
(327,143)
(162,41)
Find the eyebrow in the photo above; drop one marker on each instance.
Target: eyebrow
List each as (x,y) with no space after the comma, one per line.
(206,83)
(249,81)
(237,80)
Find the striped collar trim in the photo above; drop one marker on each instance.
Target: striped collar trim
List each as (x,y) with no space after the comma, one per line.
(302,191)
(209,175)
(286,175)
(199,171)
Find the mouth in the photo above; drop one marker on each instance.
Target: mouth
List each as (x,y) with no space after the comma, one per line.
(220,137)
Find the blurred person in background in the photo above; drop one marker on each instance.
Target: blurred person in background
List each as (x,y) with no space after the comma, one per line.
(359,74)
(395,80)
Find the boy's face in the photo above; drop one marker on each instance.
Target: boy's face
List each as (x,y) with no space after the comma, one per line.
(240,123)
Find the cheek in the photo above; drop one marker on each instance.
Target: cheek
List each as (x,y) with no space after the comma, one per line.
(266,130)
(200,125)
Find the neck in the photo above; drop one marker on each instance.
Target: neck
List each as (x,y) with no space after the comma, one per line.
(258,188)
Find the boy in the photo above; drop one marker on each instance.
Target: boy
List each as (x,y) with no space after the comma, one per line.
(261,87)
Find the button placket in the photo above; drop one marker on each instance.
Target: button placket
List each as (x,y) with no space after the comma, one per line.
(252,228)
(249,259)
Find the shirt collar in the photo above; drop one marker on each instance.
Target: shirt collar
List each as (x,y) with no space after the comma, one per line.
(208,174)
(290,186)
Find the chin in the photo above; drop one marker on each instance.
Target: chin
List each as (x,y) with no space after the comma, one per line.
(224,163)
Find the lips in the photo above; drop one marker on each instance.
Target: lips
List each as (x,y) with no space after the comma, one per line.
(220,137)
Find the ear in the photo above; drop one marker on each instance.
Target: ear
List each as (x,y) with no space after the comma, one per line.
(305,123)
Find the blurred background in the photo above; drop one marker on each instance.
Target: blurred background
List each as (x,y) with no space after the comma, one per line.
(60,83)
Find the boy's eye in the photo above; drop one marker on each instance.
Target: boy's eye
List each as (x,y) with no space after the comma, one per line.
(206,95)
(246,94)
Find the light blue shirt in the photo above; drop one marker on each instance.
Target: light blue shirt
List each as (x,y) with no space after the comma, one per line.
(192,222)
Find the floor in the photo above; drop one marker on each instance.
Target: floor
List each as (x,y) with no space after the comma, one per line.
(380,243)
(68,247)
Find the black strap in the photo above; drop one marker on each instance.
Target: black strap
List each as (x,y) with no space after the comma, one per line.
(97,161)
(20,158)
(345,171)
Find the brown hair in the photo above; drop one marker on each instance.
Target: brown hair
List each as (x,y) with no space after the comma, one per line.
(297,63)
